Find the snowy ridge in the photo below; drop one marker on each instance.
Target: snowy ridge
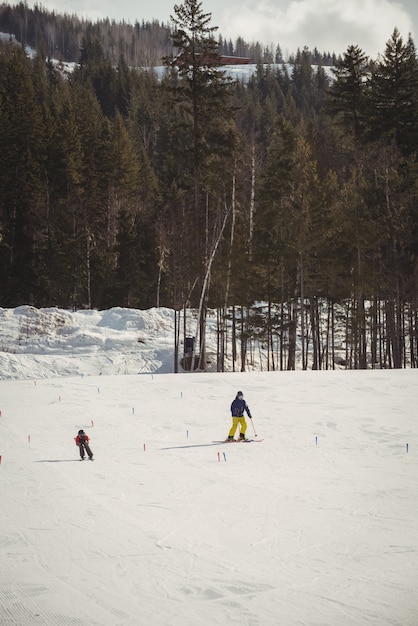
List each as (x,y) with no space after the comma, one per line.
(244,73)
(55,342)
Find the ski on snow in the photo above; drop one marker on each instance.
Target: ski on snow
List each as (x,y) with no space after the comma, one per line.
(239,441)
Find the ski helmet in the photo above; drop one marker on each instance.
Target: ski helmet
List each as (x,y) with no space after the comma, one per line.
(240,394)
(81,432)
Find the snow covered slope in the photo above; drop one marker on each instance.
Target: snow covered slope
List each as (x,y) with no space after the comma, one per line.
(315,526)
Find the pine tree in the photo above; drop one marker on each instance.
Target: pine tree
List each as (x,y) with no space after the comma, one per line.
(22,181)
(133,193)
(393,94)
(200,100)
(89,211)
(346,95)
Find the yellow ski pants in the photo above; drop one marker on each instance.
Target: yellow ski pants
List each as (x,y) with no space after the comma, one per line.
(242,423)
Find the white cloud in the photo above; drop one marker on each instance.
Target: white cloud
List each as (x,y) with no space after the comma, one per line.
(324,24)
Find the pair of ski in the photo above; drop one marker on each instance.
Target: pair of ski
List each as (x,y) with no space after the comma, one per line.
(239,441)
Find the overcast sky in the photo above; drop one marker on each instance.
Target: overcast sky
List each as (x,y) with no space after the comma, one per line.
(329,25)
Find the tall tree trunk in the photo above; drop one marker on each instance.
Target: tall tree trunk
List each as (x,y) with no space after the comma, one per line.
(243,341)
(88,270)
(176,340)
(229,273)
(315,341)
(201,316)
(234,339)
(333,334)
(291,357)
(252,204)
(302,311)
(362,335)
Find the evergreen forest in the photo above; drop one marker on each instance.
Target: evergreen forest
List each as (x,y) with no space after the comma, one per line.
(287,205)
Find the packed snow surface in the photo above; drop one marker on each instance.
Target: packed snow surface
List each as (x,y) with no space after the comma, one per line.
(316,525)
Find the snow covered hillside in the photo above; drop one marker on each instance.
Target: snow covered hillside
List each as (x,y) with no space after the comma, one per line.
(315,525)
(55,342)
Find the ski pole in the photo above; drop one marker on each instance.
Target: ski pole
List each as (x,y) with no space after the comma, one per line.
(251,420)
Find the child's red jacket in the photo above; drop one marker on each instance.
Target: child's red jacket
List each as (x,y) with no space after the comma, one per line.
(78,439)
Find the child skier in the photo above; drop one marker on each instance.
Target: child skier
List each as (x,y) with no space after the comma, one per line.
(238,407)
(82,441)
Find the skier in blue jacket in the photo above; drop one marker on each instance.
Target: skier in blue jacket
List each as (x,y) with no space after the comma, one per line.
(238,407)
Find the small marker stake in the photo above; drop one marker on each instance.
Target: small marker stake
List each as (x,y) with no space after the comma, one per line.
(0,459)
(133,410)
(224,456)
(28,438)
(219,457)
(187,434)
(144,447)
(98,389)
(92,423)
(316,441)
(407,447)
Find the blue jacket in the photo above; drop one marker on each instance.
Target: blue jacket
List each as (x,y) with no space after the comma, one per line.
(238,407)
